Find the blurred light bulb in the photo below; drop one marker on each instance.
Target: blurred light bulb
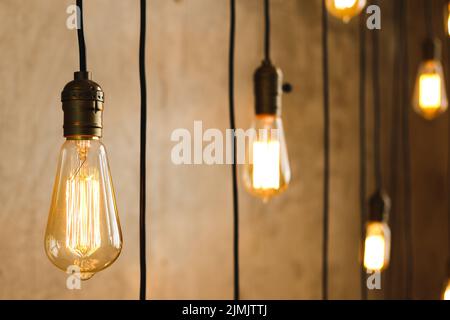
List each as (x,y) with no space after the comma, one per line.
(377,246)
(430,96)
(446,294)
(83,227)
(267,172)
(345,9)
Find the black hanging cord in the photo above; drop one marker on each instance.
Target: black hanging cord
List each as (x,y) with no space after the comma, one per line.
(143,152)
(80,34)
(428,12)
(267,30)
(376,107)
(406,154)
(326,145)
(448,162)
(362,144)
(396,101)
(234,165)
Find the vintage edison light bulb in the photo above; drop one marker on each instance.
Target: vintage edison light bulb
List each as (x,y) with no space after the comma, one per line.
(377,243)
(266,171)
(430,97)
(345,9)
(83,228)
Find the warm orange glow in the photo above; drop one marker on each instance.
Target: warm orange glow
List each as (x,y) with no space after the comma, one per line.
(266,165)
(345,9)
(266,172)
(430,96)
(446,295)
(376,246)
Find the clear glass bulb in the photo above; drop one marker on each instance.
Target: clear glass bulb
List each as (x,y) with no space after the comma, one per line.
(446,294)
(83,228)
(345,9)
(266,172)
(430,97)
(377,246)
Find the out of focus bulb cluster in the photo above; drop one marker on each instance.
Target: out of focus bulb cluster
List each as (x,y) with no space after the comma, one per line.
(345,9)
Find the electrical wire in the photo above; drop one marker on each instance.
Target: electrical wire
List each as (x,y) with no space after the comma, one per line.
(376,107)
(326,145)
(394,139)
(406,155)
(428,12)
(143,153)
(362,145)
(233,145)
(448,162)
(80,34)
(267,30)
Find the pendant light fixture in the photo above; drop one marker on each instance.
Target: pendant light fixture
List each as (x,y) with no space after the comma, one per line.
(430,96)
(83,227)
(345,9)
(267,172)
(378,236)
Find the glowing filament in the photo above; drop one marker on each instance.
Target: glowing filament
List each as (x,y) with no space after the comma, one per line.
(266,165)
(430,91)
(83,214)
(344,4)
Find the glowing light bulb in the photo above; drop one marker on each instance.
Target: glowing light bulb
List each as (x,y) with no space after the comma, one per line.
(83,227)
(345,9)
(377,246)
(430,96)
(267,172)
(83,231)
(446,294)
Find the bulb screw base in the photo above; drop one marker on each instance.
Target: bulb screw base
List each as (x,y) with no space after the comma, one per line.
(267,89)
(82,102)
(379,207)
(432,49)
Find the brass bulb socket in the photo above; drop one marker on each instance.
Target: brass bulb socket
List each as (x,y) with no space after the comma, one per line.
(267,82)
(82,102)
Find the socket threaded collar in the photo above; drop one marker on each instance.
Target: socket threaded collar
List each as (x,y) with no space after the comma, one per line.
(82,102)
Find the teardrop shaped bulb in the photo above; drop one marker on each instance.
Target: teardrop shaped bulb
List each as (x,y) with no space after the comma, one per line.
(377,246)
(430,97)
(266,171)
(83,228)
